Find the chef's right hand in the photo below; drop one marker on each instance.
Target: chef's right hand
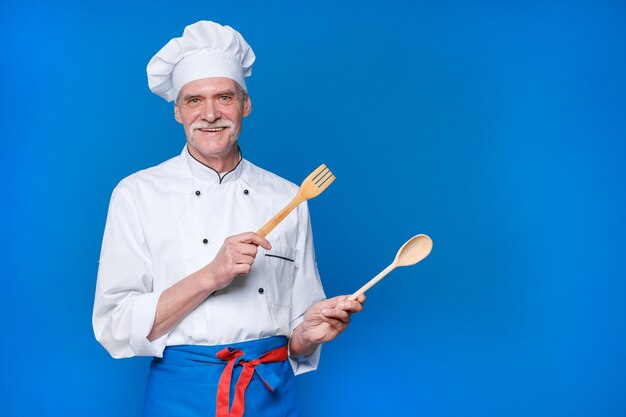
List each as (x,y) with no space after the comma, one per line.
(235,257)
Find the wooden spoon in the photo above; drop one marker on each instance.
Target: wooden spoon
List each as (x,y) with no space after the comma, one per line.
(413,251)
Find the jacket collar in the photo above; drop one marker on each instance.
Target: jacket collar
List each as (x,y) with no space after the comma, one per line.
(207,174)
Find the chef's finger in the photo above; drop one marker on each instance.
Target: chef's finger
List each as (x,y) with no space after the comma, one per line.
(244,259)
(247,249)
(241,269)
(350,306)
(251,237)
(334,313)
(361,298)
(338,325)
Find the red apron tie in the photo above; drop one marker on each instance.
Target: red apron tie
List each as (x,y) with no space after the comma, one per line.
(223,388)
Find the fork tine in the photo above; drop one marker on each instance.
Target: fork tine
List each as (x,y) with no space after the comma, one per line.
(316,182)
(323,179)
(323,176)
(319,171)
(322,186)
(327,181)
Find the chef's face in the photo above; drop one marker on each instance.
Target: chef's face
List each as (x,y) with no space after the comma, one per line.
(211,111)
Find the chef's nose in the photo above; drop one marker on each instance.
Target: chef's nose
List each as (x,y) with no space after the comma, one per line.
(210,112)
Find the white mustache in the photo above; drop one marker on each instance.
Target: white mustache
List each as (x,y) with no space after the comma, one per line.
(203,124)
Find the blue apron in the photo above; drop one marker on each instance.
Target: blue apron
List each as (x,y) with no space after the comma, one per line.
(186,381)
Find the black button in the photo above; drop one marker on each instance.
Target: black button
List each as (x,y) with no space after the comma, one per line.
(205,241)
(245,192)
(261,290)
(198,193)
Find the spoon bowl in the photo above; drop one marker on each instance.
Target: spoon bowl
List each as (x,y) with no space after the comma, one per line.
(414,250)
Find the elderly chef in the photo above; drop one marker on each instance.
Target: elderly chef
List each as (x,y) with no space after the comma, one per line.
(229,316)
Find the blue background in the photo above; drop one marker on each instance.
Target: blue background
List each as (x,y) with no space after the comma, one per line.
(498,128)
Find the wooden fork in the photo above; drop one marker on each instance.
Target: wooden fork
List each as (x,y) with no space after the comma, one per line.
(311,187)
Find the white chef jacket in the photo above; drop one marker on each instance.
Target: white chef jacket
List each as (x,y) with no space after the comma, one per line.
(167,222)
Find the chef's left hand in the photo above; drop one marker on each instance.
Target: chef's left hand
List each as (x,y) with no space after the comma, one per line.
(326,319)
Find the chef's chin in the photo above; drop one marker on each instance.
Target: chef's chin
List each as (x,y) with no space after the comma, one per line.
(212,147)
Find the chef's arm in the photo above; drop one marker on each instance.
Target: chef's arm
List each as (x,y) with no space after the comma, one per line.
(322,323)
(235,257)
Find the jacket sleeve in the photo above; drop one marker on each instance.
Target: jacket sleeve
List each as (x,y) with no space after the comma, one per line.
(307,288)
(125,306)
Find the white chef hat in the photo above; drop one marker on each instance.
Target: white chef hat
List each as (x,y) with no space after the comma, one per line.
(206,49)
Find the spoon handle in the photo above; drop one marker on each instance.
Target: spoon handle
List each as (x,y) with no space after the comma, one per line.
(373,281)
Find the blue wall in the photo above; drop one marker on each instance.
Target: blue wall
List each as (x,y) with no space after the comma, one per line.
(498,129)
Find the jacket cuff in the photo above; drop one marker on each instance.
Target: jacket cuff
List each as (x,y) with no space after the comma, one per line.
(142,318)
(303,364)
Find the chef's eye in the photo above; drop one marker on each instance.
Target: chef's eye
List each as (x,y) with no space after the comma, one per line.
(225,99)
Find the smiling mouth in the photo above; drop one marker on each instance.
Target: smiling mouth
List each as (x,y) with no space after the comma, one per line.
(212,129)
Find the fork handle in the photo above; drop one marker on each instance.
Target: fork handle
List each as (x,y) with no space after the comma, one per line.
(274,221)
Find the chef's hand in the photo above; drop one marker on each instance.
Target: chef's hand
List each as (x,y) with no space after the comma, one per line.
(323,322)
(235,257)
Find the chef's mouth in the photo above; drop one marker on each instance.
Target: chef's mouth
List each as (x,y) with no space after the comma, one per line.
(212,129)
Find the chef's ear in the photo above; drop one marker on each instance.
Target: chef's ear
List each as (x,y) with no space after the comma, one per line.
(177,114)
(247,106)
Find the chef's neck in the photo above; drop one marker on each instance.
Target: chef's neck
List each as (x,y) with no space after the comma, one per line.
(218,163)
